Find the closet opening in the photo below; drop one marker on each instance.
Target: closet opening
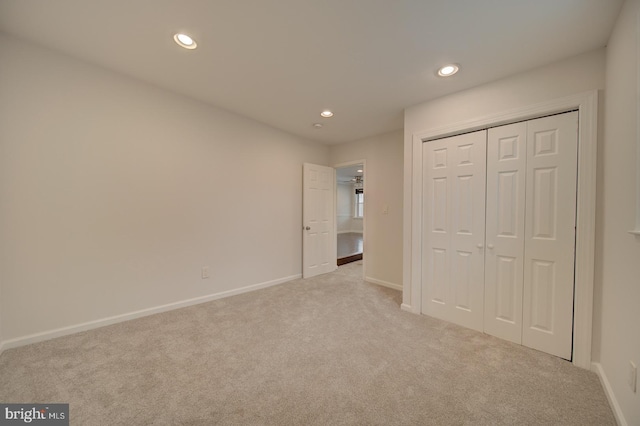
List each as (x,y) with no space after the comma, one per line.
(586,105)
(499,231)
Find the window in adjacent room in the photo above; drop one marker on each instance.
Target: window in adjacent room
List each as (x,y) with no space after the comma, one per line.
(359,207)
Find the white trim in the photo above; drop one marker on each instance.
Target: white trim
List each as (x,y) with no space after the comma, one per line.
(636,231)
(586,103)
(406,308)
(416,226)
(64,331)
(608,391)
(350,232)
(406,225)
(585,229)
(383,283)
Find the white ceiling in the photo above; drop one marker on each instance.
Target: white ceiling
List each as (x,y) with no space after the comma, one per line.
(283,61)
(345,174)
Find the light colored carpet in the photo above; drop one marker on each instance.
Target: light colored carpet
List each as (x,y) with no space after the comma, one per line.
(325,351)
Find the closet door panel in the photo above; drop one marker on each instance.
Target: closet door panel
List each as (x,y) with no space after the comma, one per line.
(453,227)
(506,172)
(437,158)
(468,209)
(550,233)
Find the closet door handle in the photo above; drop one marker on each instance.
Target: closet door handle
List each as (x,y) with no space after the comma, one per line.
(490,246)
(480,245)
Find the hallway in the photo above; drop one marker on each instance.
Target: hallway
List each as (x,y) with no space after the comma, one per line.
(350,247)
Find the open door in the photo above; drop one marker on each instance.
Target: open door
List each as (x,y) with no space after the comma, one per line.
(318,220)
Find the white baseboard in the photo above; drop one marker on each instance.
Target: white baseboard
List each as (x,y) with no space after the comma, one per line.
(613,402)
(64,331)
(383,283)
(407,308)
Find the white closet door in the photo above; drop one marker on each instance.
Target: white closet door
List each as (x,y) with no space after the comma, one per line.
(453,236)
(437,159)
(552,150)
(506,171)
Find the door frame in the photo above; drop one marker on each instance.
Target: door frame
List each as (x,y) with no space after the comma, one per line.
(587,105)
(364,219)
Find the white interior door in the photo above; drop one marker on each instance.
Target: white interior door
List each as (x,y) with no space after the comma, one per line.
(504,257)
(454,222)
(318,220)
(552,145)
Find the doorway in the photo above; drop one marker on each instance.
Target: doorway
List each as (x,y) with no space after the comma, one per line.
(350,212)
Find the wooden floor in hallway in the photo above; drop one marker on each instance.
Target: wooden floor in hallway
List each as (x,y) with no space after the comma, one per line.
(350,247)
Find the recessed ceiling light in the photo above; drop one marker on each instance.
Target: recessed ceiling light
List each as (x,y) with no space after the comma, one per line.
(185,41)
(326,114)
(317,125)
(448,70)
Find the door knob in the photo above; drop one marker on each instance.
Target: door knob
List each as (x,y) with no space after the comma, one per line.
(490,246)
(308,228)
(479,245)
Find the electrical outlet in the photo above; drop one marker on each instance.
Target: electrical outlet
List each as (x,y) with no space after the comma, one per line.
(633,376)
(205,272)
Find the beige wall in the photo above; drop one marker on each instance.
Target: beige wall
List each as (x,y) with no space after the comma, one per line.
(344,207)
(568,77)
(115,193)
(383,183)
(617,320)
